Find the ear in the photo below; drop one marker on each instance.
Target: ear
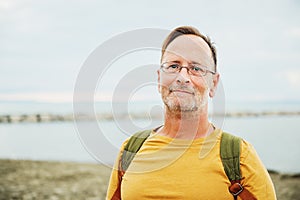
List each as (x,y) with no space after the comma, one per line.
(215,82)
(158,81)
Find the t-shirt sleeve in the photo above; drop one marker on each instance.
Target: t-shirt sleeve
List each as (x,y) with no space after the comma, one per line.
(255,176)
(114,177)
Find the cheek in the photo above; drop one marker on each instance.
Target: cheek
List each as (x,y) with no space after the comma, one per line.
(166,81)
(201,84)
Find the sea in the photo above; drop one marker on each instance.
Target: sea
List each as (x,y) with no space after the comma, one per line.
(275,137)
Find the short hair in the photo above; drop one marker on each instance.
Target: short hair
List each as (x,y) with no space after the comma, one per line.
(189,30)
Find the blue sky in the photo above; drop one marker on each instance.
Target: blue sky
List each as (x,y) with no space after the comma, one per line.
(43,44)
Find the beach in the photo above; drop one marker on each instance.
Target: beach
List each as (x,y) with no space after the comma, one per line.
(52,180)
(25,179)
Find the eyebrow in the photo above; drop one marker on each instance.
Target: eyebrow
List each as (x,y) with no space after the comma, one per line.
(191,62)
(194,62)
(174,61)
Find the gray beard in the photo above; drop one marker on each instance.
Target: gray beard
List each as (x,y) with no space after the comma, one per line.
(192,104)
(172,105)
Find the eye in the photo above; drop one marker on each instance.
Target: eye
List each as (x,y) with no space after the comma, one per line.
(197,68)
(173,66)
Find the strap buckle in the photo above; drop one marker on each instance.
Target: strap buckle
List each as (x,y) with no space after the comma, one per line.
(236,189)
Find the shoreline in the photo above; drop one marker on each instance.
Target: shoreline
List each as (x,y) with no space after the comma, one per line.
(28,179)
(48,117)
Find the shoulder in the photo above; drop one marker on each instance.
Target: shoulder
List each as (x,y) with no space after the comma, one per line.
(249,157)
(125,142)
(247,149)
(254,173)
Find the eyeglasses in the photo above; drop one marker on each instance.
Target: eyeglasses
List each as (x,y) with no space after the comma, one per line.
(192,69)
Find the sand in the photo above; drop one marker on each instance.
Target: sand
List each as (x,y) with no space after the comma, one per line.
(21,179)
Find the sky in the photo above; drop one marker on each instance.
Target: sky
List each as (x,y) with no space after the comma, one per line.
(44,44)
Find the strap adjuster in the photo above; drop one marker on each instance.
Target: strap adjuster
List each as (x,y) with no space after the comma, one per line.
(235,189)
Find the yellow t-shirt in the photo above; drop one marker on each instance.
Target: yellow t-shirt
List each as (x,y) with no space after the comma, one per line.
(167,168)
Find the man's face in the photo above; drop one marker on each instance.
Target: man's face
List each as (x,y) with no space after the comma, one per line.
(182,91)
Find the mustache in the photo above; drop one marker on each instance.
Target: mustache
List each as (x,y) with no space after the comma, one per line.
(182,88)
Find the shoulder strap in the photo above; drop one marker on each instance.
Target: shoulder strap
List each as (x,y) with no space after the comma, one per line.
(132,147)
(230,156)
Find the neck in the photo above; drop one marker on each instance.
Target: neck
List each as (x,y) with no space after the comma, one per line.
(186,125)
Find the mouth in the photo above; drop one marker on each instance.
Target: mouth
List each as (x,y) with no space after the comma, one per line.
(182,91)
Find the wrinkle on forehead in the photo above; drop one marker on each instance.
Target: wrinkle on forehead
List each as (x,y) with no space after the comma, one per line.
(190,48)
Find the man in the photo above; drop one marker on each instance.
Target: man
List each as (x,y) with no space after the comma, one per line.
(181,159)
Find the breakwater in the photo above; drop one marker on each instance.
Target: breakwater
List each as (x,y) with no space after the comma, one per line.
(39,118)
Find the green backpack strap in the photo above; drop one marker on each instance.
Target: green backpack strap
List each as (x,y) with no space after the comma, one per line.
(132,147)
(230,156)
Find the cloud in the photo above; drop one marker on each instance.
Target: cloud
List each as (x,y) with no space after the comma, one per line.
(8,5)
(67,97)
(38,97)
(293,32)
(293,78)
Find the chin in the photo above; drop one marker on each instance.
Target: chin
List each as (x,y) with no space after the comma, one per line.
(187,104)
(181,106)
(184,106)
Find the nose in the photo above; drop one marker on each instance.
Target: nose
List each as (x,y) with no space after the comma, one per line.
(183,76)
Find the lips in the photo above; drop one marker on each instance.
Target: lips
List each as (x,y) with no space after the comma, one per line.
(182,91)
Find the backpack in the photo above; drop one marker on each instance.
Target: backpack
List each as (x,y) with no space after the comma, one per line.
(229,153)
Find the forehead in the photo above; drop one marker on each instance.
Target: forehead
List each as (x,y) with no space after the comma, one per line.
(190,48)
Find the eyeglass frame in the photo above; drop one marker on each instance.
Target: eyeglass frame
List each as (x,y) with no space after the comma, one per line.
(188,68)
